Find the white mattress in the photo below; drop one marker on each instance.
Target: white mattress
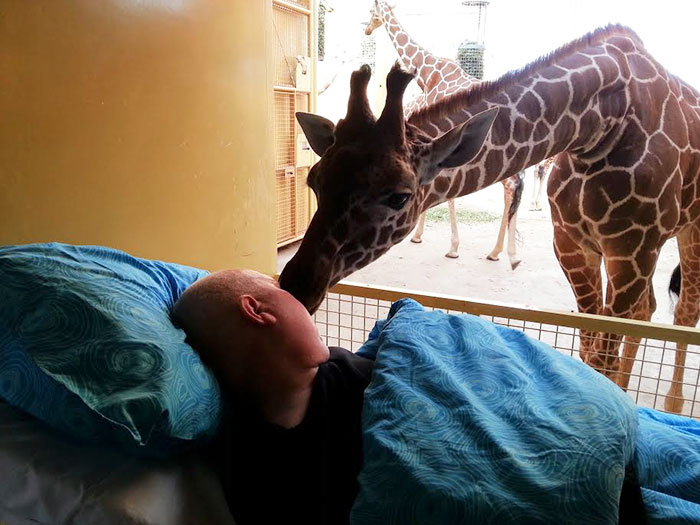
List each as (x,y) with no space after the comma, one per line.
(47,478)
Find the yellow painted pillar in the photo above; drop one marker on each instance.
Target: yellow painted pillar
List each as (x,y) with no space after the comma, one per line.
(144,125)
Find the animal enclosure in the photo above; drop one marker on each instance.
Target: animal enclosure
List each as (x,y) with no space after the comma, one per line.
(294,78)
(349,312)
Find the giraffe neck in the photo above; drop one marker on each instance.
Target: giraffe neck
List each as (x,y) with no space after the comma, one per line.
(575,100)
(412,55)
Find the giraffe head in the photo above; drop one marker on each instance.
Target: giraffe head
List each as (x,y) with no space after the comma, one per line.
(376,18)
(370,183)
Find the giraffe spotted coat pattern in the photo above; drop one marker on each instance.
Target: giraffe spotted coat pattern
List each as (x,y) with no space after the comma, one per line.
(626,133)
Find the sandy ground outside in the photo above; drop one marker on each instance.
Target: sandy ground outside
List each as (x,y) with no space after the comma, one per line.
(538,282)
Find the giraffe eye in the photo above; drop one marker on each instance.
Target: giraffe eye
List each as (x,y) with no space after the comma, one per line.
(397,200)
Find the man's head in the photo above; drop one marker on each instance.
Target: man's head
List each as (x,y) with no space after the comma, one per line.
(253,334)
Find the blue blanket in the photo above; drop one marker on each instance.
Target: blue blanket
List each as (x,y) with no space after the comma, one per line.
(667,460)
(465,421)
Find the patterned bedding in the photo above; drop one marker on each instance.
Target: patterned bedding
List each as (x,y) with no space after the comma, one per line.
(468,422)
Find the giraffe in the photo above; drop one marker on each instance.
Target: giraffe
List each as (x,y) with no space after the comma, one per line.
(541,170)
(439,77)
(627,138)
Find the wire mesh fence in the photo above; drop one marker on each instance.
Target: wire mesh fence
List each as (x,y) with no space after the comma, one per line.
(291,40)
(350,311)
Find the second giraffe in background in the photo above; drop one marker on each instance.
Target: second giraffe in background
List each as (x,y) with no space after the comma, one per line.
(437,78)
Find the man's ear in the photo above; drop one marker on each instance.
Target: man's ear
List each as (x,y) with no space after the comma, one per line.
(459,145)
(319,131)
(254,311)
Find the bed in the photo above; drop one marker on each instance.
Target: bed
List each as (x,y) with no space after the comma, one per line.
(466,421)
(103,406)
(54,477)
(48,478)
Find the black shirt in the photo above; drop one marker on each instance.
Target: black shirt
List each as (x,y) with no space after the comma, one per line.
(306,474)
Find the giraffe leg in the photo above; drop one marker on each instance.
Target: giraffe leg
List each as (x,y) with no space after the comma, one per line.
(533,200)
(631,344)
(417,236)
(512,231)
(582,270)
(538,200)
(454,241)
(629,354)
(687,310)
(674,397)
(508,198)
(628,296)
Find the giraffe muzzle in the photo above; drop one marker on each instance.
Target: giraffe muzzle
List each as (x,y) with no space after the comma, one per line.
(307,283)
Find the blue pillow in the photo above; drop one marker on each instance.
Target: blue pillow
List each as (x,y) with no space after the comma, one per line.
(87,346)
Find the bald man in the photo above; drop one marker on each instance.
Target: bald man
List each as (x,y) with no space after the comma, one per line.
(290,446)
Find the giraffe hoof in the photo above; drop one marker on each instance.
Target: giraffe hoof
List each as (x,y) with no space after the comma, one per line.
(674,403)
(452,255)
(417,240)
(491,258)
(514,264)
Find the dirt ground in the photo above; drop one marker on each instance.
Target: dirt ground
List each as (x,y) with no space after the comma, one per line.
(537,282)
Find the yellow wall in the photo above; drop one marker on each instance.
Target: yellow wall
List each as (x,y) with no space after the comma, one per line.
(143,125)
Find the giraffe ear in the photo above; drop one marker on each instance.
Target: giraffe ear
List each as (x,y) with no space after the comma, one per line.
(319,131)
(459,145)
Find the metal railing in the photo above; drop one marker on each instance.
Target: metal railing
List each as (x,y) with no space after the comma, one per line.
(350,310)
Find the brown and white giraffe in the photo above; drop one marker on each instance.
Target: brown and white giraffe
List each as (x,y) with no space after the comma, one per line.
(439,77)
(626,179)
(540,174)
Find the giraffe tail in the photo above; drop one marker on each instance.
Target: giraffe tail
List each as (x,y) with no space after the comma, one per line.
(674,284)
